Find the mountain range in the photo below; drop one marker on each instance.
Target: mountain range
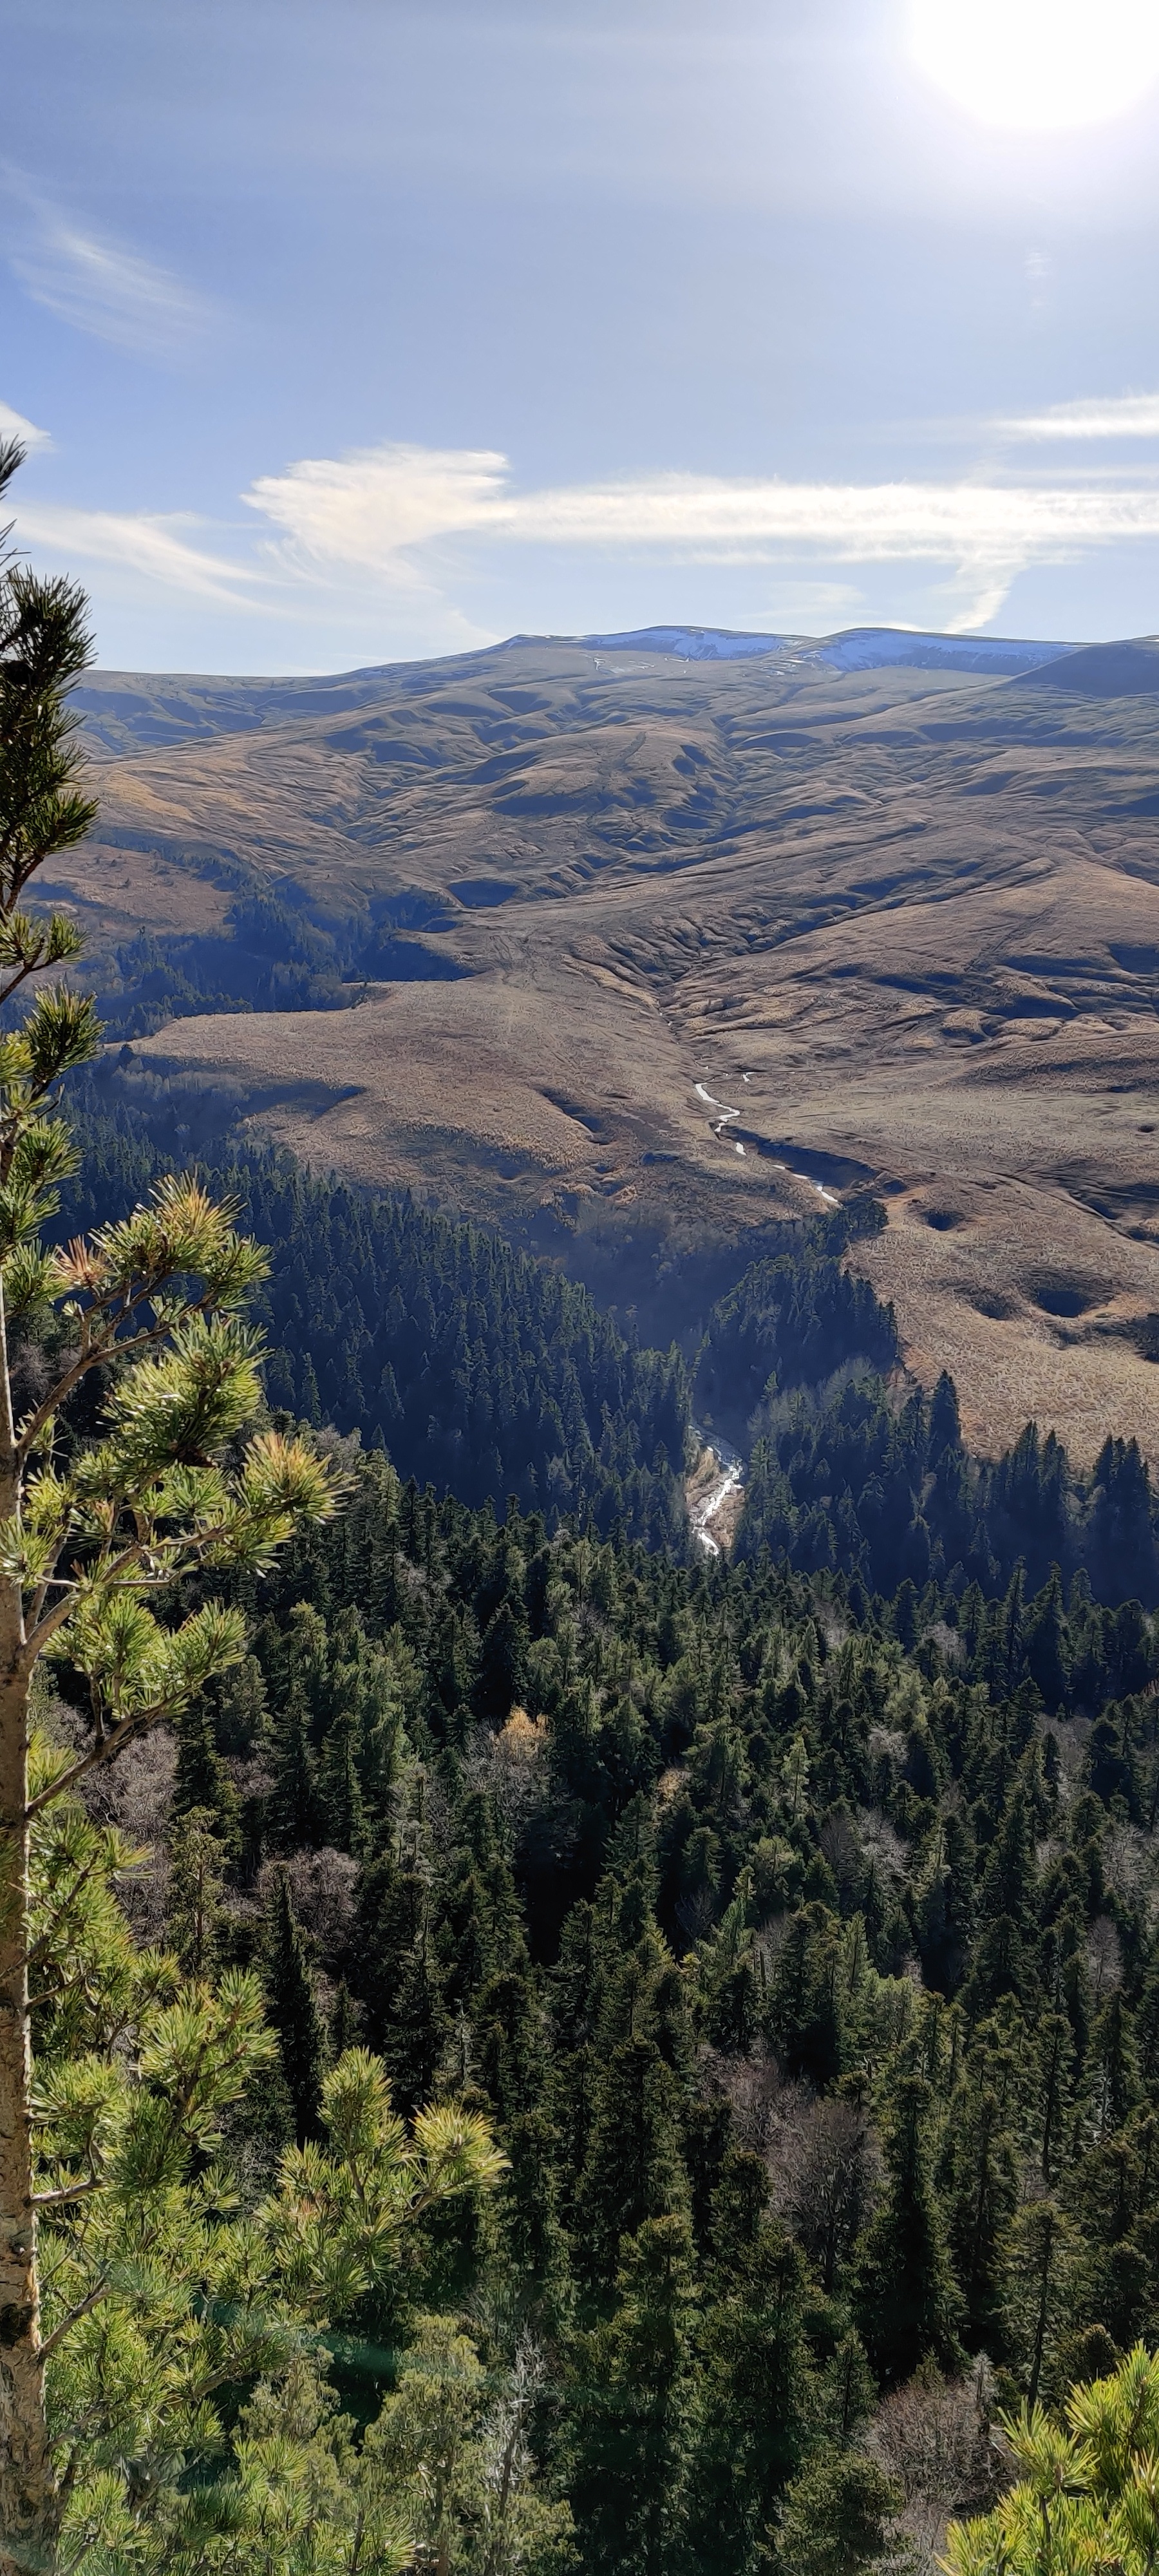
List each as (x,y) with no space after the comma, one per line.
(635,945)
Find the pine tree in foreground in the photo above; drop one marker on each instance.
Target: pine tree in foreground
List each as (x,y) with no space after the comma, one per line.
(92,1530)
(1087,2498)
(168,2292)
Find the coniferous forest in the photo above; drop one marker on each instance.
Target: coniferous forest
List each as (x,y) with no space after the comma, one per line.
(526,2045)
(476,1368)
(788,1923)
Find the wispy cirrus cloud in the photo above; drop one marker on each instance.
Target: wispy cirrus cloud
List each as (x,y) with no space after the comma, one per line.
(1115,416)
(862,523)
(97,284)
(157,545)
(365,508)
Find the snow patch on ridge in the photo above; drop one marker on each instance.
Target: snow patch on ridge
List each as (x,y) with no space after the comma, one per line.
(857,648)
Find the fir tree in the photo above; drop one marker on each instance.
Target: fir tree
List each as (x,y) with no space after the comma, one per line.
(295,1808)
(340,1803)
(292,2006)
(502,1662)
(839,2517)
(633,2170)
(847,2391)
(908,2307)
(417,2033)
(981,2194)
(196,1880)
(632,2411)
(756,2393)
(202,1784)
(1037,2257)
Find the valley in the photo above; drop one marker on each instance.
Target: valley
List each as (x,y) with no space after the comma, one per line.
(635,954)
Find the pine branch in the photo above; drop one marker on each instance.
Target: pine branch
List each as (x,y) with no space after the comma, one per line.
(83,2308)
(67,2192)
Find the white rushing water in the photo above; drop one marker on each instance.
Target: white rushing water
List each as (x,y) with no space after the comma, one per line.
(721,1121)
(730,1481)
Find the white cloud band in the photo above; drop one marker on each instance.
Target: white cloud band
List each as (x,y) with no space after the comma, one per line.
(98,285)
(377,522)
(367,508)
(1123,416)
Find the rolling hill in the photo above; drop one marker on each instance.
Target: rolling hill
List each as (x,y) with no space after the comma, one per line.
(655,938)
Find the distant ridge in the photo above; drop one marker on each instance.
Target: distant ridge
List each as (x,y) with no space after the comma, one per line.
(870,648)
(131,711)
(1127,670)
(855,648)
(693,643)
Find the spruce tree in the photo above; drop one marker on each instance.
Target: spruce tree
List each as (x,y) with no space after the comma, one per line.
(419,2026)
(242,1713)
(1111,2082)
(756,2398)
(295,1807)
(1046,1642)
(1054,2091)
(292,2006)
(981,2192)
(196,1881)
(847,2390)
(389,1909)
(1038,2255)
(340,1803)
(202,1783)
(345,2028)
(632,2412)
(908,2306)
(502,1676)
(481,1929)
(633,2169)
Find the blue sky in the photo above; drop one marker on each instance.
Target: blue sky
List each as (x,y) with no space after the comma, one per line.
(353,330)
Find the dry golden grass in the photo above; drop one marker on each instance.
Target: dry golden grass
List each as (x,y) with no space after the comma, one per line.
(978,1301)
(920,915)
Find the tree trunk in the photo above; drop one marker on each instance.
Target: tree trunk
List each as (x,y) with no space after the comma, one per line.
(27,2486)
(28,2497)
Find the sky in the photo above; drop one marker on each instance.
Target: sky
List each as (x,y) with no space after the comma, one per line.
(348,331)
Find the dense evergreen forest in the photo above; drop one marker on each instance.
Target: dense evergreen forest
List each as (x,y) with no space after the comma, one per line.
(478,1369)
(861,1477)
(274,953)
(790,1922)
(807,1973)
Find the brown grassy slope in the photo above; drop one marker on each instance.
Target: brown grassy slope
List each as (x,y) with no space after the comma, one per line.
(921,914)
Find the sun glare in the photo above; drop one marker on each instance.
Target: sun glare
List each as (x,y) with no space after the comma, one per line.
(1041,65)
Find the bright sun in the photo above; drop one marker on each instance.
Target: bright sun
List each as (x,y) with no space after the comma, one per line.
(1039,64)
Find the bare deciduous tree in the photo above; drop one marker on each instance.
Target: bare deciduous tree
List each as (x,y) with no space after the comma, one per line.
(934,2437)
(825,2179)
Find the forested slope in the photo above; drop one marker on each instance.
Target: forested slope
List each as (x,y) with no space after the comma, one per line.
(793,1921)
(808,1973)
(486,1373)
(479,1369)
(879,1483)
